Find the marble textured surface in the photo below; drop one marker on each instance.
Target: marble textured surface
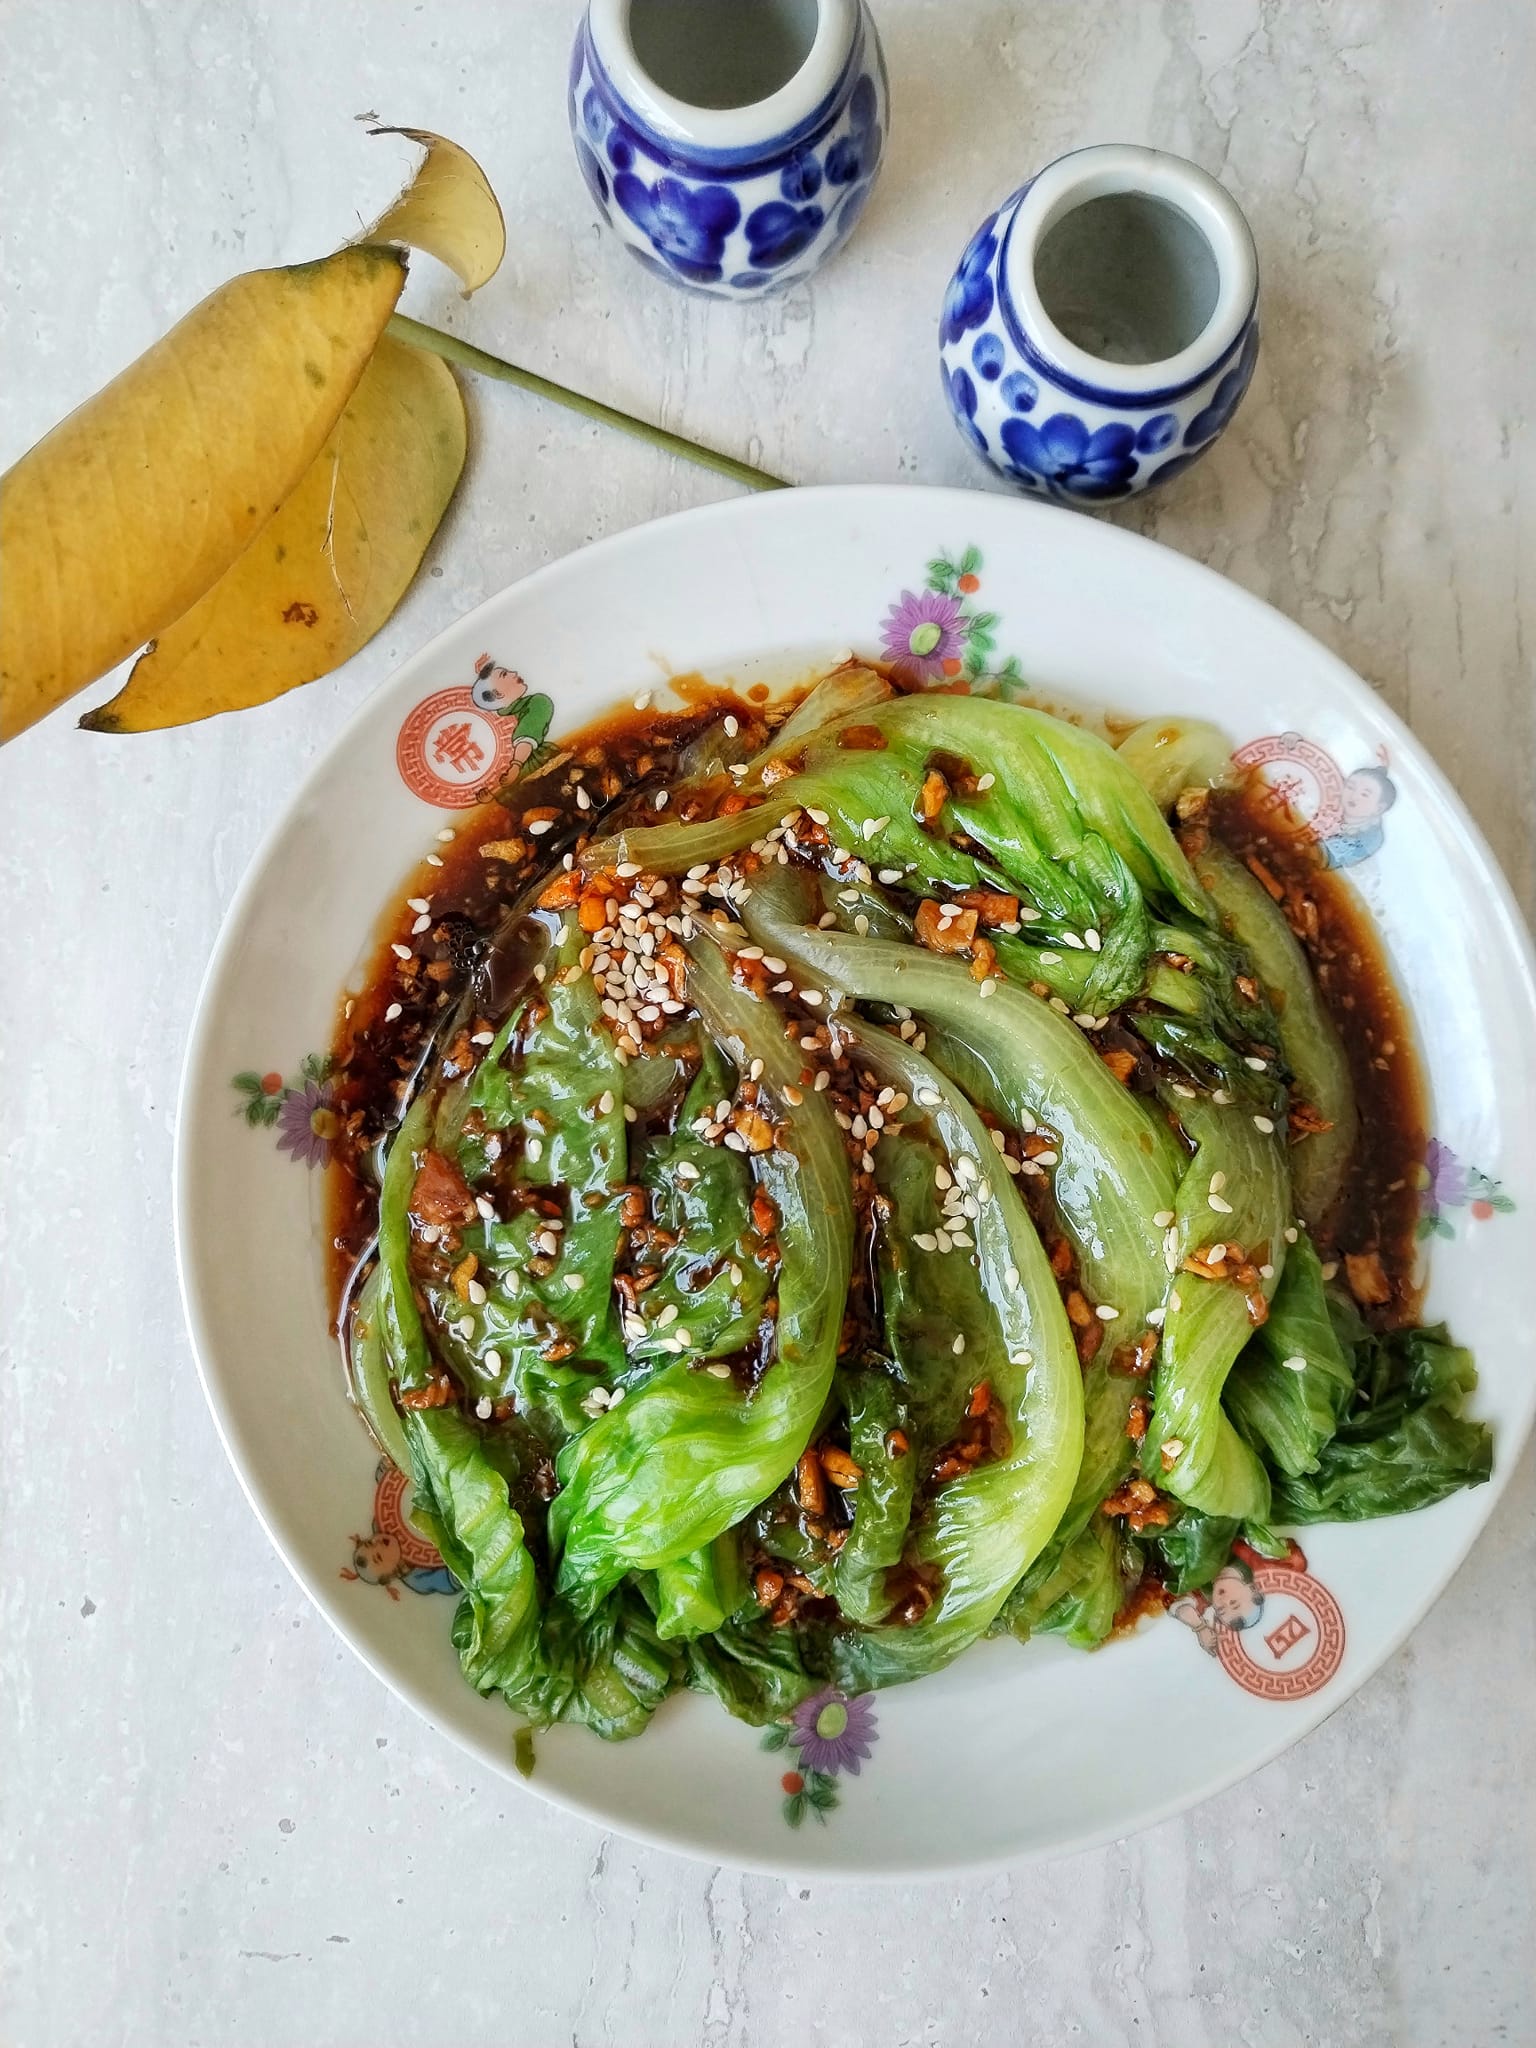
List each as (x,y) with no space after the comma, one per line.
(215,1826)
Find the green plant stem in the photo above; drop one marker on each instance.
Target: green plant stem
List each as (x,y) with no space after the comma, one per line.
(452,350)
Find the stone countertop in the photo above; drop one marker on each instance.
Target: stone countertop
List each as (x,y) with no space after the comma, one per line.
(217,1826)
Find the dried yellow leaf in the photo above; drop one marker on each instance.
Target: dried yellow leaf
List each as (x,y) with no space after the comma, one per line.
(327,571)
(448,209)
(121,518)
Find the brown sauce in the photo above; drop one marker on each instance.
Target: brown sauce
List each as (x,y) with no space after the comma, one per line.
(1378,1210)
(479,868)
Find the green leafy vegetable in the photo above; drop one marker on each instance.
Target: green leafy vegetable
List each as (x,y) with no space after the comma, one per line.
(1405,1442)
(689,1455)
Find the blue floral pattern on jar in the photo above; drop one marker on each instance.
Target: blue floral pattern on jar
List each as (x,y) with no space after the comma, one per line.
(732,223)
(1038,429)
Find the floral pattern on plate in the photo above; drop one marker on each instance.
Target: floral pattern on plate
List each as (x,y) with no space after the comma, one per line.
(938,635)
(302,1109)
(832,1732)
(1448,1184)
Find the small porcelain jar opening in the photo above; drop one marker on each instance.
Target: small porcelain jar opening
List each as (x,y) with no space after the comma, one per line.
(730,144)
(1131,268)
(708,88)
(1102,326)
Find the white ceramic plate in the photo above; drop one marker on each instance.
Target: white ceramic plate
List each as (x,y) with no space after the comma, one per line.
(1012,1752)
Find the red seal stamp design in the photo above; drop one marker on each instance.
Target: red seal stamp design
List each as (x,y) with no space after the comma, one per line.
(1296,1643)
(390,1518)
(1270,1625)
(394,1553)
(1303,788)
(451,753)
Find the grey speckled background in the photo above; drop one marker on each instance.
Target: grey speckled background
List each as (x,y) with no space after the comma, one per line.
(217,1827)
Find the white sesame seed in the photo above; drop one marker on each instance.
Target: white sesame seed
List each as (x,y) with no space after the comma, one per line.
(1092,940)
(686,1170)
(483,1405)
(890,876)
(1218,1182)
(1330,1268)
(985,781)
(1155,1317)
(1047,1159)
(417,903)
(1022,1358)
(1290,1233)
(1175,1299)
(627,870)
(1266,1271)
(434,860)
(573,1282)
(400,952)
(535,1149)
(661,799)
(1216,1254)
(1294,1364)
(1163,1218)
(718,1369)
(476,1293)
(1173,1450)
(1220,1204)
(465,1326)
(1106,1314)
(1220,1097)
(816,817)
(958,1346)
(486,1207)
(583,800)
(392,1013)
(965,1167)
(823,1080)
(943,1241)
(446,834)
(732,725)
(430,1233)
(1050,959)
(925,1240)
(1071,939)
(871,826)
(423,923)
(605,1102)
(483,1038)
(1183,1088)
(1264,1124)
(988,987)
(1058,1004)
(643,701)
(1258,1065)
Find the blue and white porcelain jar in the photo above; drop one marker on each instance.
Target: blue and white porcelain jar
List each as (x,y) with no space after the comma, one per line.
(1102,325)
(730,144)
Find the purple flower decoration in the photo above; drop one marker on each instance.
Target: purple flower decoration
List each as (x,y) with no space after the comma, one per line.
(922,633)
(1446,1183)
(307,1124)
(834,1732)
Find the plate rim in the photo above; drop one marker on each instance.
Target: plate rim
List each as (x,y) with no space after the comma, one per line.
(945,499)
